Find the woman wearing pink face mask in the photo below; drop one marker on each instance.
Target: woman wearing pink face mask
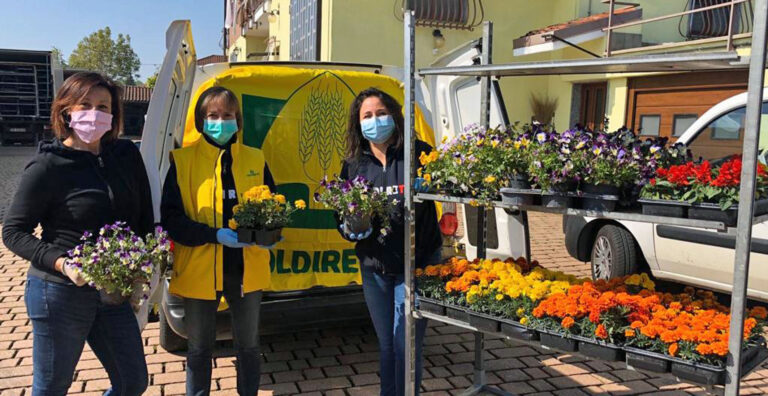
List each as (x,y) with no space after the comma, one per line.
(82,180)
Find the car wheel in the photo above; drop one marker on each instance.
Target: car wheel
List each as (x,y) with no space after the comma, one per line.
(169,340)
(614,253)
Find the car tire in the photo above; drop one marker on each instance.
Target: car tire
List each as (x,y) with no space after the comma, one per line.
(614,253)
(169,340)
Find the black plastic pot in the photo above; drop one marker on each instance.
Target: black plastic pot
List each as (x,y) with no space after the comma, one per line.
(357,224)
(644,360)
(520,182)
(484,322)
(706,374)
(560,342)
(600,350)
(518,331)
(431,306)
(707,211)
(558,200)
(111,298)
(259,237)
(660,207)
(518,197)
(457,313)
(599,197)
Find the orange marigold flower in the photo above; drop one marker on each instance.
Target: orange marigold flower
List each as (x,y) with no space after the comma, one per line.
(601,332)
(636,324)
(759,312)
(673,349)
(567,322)
(629,333)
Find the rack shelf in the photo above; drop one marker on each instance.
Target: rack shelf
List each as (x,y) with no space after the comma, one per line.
(627,216)
(626,64)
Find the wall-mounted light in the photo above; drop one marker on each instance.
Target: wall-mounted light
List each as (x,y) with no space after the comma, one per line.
(438,38)
(272,17)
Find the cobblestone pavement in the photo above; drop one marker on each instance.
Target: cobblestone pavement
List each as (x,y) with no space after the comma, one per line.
(344,361)
(12,161)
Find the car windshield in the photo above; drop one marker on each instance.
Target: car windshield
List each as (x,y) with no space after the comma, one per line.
(724,136)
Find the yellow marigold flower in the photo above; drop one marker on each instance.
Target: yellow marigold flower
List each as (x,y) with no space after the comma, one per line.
(300,204)
(520,312)
(237,208)
(423,158)
(280,198)
(232,224)
(523,321)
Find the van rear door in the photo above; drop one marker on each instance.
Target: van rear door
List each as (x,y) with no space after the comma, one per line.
(164,126)
(455,103)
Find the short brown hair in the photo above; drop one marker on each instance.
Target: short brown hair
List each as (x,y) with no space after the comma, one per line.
(211,94)
(74,89)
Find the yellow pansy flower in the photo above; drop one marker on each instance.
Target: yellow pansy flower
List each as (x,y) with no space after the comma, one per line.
(300,204)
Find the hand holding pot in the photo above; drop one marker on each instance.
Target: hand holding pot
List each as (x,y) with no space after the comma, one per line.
(356,236)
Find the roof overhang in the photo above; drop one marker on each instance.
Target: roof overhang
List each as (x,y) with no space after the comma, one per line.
(575,32)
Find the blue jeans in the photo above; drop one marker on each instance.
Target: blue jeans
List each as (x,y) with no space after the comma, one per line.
(385,297)
(200,322)
(64,317)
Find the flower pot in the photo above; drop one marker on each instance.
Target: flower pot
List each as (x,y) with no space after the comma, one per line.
(111,298)
(599,197)
(661,207)
(259,237)
(560,342)
(644,360)
(357,224)
(600,350)
(707,374)
(431,306)
(458,313)
(484,322)
(520,182)
(518,197)
(708,211)
(518,331)
(557,200)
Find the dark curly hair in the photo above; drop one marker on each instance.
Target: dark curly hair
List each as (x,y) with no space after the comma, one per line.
(356,143)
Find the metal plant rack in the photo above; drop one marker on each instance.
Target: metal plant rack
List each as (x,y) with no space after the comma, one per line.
(631,64)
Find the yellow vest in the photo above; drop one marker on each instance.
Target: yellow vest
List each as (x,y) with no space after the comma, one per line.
(198,271)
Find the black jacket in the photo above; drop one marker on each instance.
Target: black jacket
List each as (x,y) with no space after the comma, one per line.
(386,253)
(69,192)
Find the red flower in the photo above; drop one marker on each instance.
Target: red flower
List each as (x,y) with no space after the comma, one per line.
(703,173)
(653,181)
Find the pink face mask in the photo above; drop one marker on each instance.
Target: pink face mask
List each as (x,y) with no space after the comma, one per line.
(90,125)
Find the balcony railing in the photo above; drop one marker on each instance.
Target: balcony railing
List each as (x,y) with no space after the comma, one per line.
(702,22)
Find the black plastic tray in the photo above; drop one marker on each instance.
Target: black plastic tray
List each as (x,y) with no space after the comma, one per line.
(663,207)
(431,306)
(600,350)
(484,322)
(516,330)
(644,360)
(560,342)
(709,211)
(456,312)
(707,374)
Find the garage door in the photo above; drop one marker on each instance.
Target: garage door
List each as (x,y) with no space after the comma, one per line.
(667,105)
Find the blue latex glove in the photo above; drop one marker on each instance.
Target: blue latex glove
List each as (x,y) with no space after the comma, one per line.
(356,237)
(420,185)
(228,238)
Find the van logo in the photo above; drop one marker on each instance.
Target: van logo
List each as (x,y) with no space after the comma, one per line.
(251,173)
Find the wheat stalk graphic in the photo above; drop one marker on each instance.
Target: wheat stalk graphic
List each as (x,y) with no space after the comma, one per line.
(339,131)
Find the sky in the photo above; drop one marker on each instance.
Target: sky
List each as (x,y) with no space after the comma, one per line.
(42,24)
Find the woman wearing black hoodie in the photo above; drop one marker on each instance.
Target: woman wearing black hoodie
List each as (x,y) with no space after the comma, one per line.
(82,180)
(375,151)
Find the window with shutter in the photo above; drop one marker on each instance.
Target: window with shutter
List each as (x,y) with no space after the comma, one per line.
(305,30)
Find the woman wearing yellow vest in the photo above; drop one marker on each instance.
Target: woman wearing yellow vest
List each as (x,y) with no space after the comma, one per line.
(203,185)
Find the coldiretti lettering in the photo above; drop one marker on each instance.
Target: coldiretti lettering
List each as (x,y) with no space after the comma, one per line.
(326,261)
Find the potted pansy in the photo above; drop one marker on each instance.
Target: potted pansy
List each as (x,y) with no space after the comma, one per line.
(554,165)
(261,216)
(119,263)
(357,203)
(608,167)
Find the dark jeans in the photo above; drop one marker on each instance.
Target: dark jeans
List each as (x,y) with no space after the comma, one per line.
(385,297)
(64,317)
(200,322)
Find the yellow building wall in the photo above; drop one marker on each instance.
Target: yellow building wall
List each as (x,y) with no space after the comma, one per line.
(247,45)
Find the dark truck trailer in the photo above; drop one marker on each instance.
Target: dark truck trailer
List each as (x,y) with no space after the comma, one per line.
(27,87)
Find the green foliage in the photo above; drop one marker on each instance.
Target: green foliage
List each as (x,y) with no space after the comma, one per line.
(113,57)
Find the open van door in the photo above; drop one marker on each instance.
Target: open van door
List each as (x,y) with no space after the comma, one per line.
(455,103)
(164,126)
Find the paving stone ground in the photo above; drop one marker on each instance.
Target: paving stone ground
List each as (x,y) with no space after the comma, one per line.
(344,360)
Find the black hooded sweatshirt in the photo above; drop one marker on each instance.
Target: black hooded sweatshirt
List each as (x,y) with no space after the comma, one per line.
(385,254)
(69,192)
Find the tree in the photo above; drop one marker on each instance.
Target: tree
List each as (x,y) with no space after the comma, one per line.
(151,80)
(58,56)
(100,52)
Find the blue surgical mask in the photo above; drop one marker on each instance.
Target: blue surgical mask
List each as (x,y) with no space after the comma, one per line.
(378,129)
(220,131)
